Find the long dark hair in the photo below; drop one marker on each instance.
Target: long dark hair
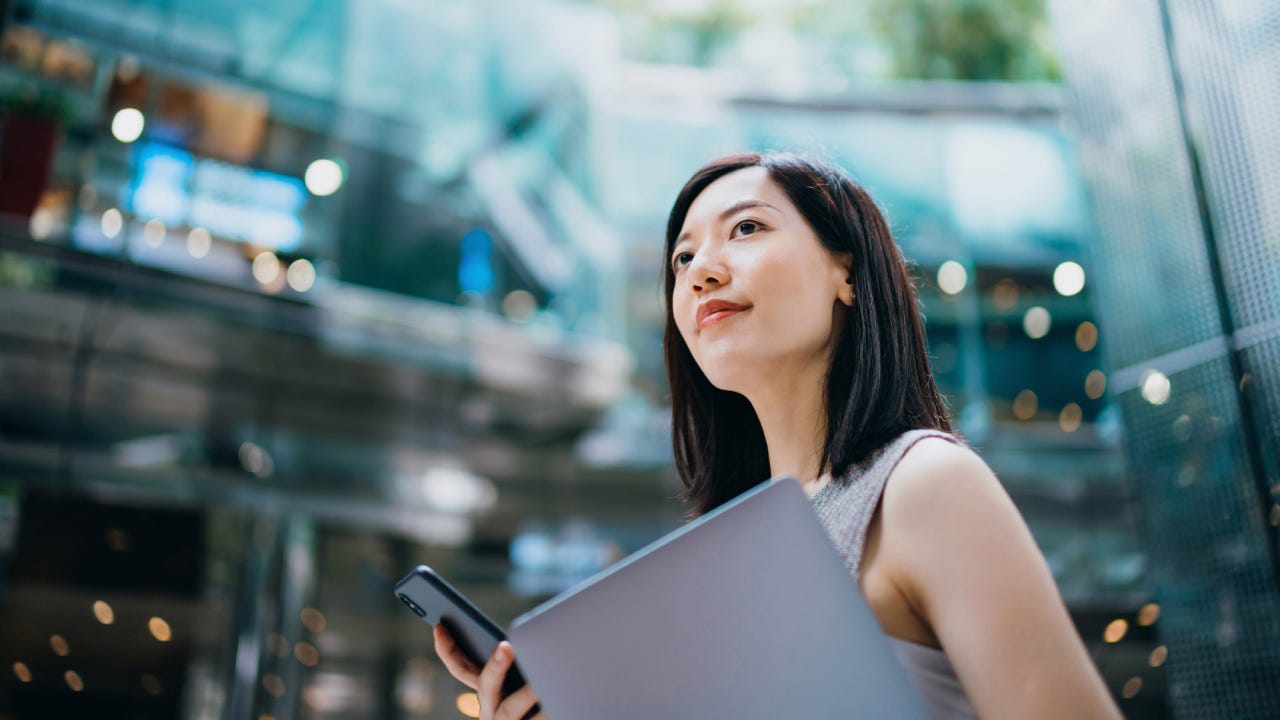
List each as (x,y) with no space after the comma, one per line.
(879,383)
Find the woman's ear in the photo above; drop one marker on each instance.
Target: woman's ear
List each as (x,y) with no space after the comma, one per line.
(845,293)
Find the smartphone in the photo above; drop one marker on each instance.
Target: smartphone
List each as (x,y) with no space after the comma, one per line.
(436,601)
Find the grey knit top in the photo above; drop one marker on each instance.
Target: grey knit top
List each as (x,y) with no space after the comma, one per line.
(845,506)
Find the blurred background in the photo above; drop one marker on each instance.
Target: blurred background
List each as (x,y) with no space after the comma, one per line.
(297,295)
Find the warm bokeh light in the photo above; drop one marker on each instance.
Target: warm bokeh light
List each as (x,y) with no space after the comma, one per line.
(1132,687)
(1025,405)
(1158,656)
(1086,336)
(1116,630)
(1148,614)
(266,267)
(112,222)
(1036,322)
(1070,418)
(73,680)
(22,671)
(323,177)
(1095,384)
(199,242)
(952,277)
(59,645)
(519,305)
(306,654)
(150,684)
(277,644)
(1005,294)
(469,705)
(1155,387)
(127,125)
(153,233)
(160,629)
(273,685)
(103,612)
(313,620)
(1068,279)
(301,275)
(42,223)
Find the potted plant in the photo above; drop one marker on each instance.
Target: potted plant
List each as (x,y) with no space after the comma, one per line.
(31,122)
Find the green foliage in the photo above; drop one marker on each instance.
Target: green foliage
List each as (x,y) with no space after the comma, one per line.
(965,39)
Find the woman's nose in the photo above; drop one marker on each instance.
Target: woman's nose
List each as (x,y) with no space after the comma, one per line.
(707,272)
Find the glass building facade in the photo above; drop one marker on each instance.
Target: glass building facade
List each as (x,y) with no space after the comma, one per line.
(296,297)
(1179,142)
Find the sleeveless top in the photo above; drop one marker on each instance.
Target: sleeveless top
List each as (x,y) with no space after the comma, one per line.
(845,506)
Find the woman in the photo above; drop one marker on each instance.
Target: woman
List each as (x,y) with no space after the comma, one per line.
(794,346)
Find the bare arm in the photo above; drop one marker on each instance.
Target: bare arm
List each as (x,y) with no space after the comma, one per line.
(959,551)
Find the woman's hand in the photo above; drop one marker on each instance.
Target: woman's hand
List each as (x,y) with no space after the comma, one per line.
(487,681)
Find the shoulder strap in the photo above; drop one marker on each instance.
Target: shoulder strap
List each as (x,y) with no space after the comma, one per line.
(847,504)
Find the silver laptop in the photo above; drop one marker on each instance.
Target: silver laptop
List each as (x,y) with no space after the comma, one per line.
(746,612)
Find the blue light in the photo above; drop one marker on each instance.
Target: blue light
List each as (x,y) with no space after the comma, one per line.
(159,189)
(475,269)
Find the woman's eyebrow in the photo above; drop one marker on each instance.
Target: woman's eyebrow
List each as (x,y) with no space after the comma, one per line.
(731,210)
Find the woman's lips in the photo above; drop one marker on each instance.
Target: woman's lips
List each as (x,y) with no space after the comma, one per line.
(714,311)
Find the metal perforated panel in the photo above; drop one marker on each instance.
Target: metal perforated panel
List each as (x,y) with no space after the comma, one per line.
(1151,250)
(1206,544)
(1173,102)
(1229,60)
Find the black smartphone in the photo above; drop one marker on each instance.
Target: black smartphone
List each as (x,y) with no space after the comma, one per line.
(436,601)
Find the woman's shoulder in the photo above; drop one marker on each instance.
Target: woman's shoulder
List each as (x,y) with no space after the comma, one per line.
(939,483)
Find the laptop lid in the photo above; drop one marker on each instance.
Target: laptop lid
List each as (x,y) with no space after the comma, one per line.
(746,612)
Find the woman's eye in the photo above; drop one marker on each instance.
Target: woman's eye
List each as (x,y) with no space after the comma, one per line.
(746,227)
(681,259)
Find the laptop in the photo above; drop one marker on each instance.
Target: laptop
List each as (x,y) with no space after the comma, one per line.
(746,612)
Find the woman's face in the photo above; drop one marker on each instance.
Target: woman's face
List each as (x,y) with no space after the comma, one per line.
(755,293)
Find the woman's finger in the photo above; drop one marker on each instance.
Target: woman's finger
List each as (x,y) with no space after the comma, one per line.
(489,688)
(455,661)
(516,705)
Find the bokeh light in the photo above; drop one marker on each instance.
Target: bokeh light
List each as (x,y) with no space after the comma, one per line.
(1095,384)
(103,612)
(952,277)
(153,233)
(199,242)
(160,629)
(469,705)
(1148,614)
(1025,405)
(314,620)
(1068,278)
(1155,387)
(23,672)
(324,177)
(1086,336)
(127,124)
(1115,631)
(73,680)
(306,654)
(1036,322)
(266,267)
(112,222)
(1070,418)
(301,275)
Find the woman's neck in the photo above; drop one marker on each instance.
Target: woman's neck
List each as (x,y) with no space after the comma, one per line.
(792,414)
